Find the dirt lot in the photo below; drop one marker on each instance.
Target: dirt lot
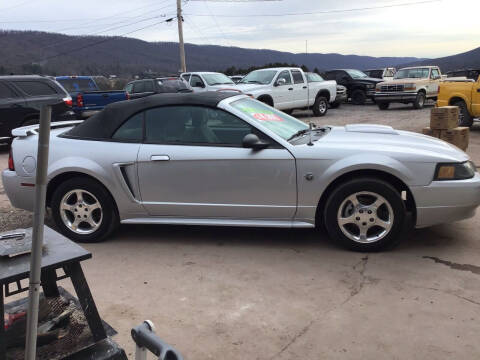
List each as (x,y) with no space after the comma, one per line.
(228,293)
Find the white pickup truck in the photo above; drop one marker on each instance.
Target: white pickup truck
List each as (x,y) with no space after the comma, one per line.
(287,89)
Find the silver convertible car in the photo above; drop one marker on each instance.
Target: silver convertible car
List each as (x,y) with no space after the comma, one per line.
(227,159)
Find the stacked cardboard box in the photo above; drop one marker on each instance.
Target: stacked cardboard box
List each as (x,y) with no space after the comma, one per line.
(443,125)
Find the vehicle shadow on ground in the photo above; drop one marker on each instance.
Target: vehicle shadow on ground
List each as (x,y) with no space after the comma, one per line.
(300,239)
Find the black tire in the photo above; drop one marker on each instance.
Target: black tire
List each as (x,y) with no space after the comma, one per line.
(335,105)
(320,106)
(32,121)
(359,97)
(336,201)
(266,100)
(383,105)
(464,118)
(109,218)
(419,102)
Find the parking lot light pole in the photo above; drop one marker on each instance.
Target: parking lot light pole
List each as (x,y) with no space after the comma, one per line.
(37,232)
(183,66)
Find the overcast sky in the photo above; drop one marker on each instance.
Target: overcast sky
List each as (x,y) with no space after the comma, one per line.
(428,29)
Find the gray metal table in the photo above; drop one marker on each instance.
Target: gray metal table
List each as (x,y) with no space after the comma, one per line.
(58,253)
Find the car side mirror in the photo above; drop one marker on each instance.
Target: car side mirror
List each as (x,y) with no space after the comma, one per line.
(252,141)
(280,82)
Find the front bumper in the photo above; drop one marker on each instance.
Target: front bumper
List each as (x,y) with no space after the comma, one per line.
(395,96)
(341,98)
(21,196)
(446,201)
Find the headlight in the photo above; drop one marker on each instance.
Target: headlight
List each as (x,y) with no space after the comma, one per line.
(370,86)
(409,86)
(455,171)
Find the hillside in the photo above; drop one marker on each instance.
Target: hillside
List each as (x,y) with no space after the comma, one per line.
(469,59)
(51,53)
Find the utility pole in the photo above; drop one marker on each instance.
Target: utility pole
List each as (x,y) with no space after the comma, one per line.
(183,67)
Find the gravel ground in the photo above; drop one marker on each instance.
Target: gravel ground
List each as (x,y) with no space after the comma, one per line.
(236,293)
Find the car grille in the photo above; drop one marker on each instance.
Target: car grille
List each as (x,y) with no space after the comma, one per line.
(391,88)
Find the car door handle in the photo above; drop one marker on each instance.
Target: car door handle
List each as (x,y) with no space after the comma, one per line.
(160,158)
(304,87)
(105,95)
(478,90)
(290,89)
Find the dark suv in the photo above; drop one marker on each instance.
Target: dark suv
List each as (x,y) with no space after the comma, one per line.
(21,98)
(141,88)
(359,85)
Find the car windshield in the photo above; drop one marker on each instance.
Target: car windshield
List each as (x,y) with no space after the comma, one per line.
(313,77)
(73,85)
(280,123)
(217,79)
(356,74)
(416,73)
(172,86)
(259,77)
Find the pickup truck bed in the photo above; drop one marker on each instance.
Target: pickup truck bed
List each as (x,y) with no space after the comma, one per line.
(87,98)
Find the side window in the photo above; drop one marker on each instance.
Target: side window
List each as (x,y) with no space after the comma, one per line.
(35,88)
(149,86)
(131,130)
(186,77)
(340,76)
(129,88)
(196,81)
(434,74)
(194,125)
(5,92)
(139,87)
(297,77)
(285,75)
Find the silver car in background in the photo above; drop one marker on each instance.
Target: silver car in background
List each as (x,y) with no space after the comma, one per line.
(226,159)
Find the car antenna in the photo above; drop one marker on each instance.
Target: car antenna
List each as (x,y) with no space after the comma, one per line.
(310,141)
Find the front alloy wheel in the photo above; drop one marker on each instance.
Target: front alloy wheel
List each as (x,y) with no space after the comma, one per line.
(365,214)
(365,217)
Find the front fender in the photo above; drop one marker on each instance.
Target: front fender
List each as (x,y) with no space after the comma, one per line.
(325,172)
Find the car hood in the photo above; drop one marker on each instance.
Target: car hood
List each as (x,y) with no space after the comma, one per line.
(384,140)
(246,88)
(405,80)
(369,80)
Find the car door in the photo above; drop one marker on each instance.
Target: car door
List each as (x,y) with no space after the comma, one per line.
(197,83)
(434,82)
(283,93)
(476,98)
(12,110)
(192,165)
(300,89)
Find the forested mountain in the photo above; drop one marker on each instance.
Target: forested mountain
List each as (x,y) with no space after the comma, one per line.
(55,54)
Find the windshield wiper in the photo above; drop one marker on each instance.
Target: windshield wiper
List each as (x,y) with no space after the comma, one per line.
(299,133)
(253,82)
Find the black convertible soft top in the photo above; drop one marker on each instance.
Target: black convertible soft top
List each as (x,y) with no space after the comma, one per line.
(106,122)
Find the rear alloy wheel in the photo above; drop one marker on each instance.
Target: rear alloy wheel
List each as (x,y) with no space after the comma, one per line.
(383,105)
(420,100)
(365,214)
(464,117)
(320,107)
(359,97)
(83,210)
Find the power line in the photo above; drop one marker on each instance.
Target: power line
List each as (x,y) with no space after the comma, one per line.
(15,6)
(326,11)
(105,40)
(103,31)
(120,13)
